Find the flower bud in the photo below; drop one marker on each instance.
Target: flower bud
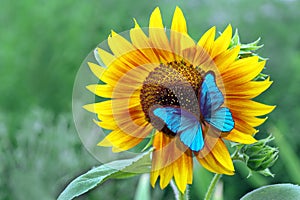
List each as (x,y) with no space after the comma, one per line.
(260,156)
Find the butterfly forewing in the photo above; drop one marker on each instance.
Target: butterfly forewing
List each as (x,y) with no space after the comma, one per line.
(211,98)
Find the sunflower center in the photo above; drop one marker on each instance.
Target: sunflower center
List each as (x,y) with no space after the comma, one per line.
(173,84)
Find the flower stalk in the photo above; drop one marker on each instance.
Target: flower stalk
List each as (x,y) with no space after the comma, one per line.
(212,186)
(179,195)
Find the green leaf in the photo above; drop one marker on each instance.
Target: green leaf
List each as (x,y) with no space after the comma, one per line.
(274,192)
(266,172)
(235,39)
(116,169)
(261,77)
(252,46)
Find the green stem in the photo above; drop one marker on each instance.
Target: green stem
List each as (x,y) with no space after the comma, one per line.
(177,193)
(212,186)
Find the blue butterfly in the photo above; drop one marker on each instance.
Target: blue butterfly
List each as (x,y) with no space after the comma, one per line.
(187,125)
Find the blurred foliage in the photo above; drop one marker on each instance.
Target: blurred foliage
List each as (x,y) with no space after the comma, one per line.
(33,162)
(42,46)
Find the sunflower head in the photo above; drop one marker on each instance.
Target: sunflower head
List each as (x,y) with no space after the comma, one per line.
(192,95)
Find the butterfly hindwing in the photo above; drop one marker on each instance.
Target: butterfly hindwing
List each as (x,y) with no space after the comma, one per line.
(211,100)
(222,120)
(183,123)
(196,142)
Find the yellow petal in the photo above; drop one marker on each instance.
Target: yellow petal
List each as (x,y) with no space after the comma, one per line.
(166,175)
(207,40)
(120,65)
(101,90)
(239,137)
(120,141)
(113,76)
(126,52)
(183,171)
(114,64)
(108,91)
(89,107)
(111,106)
(243,126)
(158,159)
(218,159)
(106,57)
(196,56)
(96,69)
(153,177)
(221,154)
(247,90)
(119,74)
(122,116)
(248,107)
(109,125)
(178,22)
(161,155)
(169,160)
(127,114)
(138,37)
(119,45)
(179,37)
(155,19)
(222,42)
(224,59)
(158,37)
(242,71)
(156,163)
(142,43)
(254,121)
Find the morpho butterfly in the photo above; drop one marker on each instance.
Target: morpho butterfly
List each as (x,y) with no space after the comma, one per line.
(184,123)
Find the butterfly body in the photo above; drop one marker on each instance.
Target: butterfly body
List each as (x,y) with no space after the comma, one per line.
(188,126)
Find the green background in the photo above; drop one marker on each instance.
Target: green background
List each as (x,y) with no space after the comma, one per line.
(42,45)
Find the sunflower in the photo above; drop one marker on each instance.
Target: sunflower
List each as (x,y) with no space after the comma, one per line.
(188,96)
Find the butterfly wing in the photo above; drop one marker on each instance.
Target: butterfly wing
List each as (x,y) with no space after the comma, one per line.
(221,119)
(195,142)
(183,123)
(170,116)
(211,100)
